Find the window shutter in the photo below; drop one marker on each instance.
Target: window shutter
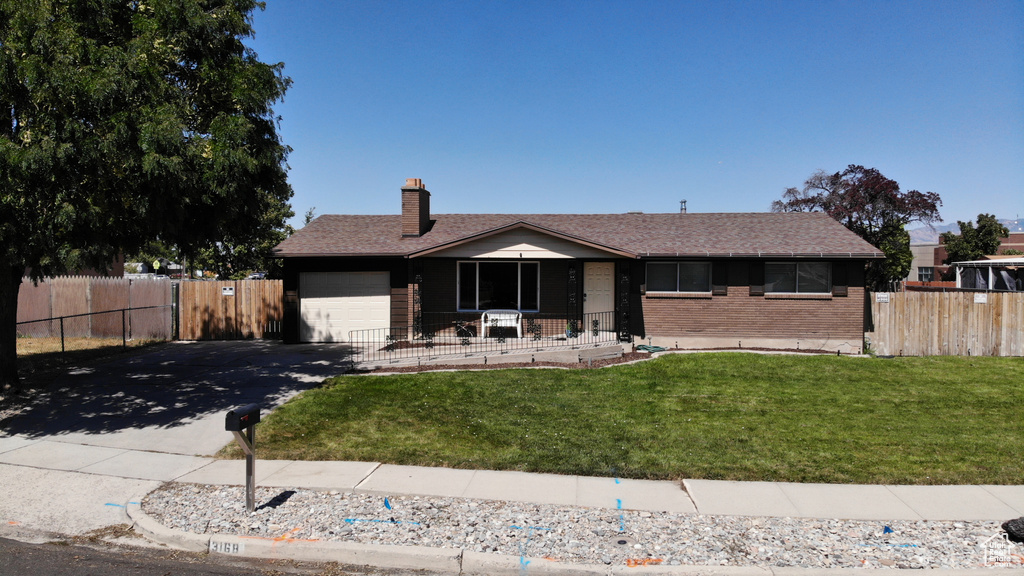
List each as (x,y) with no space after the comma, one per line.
(840,283)
(757,278)
(719,279)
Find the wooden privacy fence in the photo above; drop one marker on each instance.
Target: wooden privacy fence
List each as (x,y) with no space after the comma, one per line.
(230,310)
(948,323)
(102,307)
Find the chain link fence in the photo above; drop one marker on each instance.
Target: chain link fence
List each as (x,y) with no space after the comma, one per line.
(64,339)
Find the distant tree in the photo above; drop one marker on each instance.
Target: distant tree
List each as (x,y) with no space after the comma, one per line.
(873,207)
(310,216)
(238,257)
(126,122)
(1012,252)
(974,242)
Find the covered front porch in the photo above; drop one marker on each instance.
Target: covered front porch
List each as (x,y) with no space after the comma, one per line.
(448,337)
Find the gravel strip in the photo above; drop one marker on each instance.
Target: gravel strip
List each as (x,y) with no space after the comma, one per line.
(575,534)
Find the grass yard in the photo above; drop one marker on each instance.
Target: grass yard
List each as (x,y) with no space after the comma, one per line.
(43,354)
(732,416)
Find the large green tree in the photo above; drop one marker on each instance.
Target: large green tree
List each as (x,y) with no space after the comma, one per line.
(871,205)
(974,242)
(128,121)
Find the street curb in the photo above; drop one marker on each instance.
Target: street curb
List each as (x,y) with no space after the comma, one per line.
(448,560)
(150,528)
(485,564)
(445,560)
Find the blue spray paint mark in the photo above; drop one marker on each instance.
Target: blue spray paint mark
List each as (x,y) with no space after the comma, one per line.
(617,481)
(112,504)
(887,530)
(354,520)
(523,562)
(622,518)
(387,504)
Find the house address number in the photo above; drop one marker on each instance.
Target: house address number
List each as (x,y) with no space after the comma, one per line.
(882,297)
(227,291)
(226,547)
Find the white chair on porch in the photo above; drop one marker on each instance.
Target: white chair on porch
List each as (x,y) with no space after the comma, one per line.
(502,319)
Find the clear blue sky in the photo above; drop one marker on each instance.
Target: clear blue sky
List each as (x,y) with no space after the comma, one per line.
(599,107)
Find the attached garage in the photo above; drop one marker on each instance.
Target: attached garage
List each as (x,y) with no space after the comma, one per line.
(333,303)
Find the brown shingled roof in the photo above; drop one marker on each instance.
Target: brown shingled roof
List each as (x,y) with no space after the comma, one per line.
(793,234)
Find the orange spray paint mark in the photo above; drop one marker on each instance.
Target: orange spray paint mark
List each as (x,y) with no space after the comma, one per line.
(635,562)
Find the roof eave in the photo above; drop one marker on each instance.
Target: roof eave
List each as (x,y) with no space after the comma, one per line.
(516,225)
(340,255)
(819,255)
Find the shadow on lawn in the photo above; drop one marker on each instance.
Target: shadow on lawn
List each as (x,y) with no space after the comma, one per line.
(168,385)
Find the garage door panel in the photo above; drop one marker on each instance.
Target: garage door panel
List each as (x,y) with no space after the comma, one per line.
(334,303)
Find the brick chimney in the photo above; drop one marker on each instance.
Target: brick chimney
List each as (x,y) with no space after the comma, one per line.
(415,208)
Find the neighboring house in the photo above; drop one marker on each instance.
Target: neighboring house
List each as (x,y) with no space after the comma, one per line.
(1000,273)
(923,267)
(778,280)
(1014,241)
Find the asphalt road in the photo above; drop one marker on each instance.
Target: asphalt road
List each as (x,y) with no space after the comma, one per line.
(77,559)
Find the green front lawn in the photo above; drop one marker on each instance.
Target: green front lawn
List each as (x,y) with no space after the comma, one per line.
(937,420)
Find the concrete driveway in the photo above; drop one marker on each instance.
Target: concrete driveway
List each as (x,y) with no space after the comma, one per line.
(172,398)
(103,434)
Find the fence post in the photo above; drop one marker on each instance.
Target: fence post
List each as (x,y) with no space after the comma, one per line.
(62,336)
(124,330)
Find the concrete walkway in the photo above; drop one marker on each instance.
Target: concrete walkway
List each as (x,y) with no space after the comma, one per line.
(105,435)
(23,458)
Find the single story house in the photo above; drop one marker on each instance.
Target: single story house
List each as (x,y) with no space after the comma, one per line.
(773,280)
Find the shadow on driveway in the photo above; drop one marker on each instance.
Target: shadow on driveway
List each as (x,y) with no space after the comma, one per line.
(173,385)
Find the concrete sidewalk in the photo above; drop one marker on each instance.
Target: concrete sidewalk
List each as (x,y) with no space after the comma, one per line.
(20,456)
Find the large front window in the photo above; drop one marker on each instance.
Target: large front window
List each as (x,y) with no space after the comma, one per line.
(499,285)
(798,277)
(679,277)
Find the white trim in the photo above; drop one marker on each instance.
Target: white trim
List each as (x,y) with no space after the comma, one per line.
(999,262)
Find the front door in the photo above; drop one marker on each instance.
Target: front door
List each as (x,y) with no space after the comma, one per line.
(599,294)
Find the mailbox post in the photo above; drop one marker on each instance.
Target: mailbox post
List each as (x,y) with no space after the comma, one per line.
(240,420)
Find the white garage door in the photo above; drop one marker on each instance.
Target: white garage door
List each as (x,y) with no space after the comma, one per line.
(332,303)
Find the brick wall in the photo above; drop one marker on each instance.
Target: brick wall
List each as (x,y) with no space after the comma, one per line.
(818,320)
(739,315)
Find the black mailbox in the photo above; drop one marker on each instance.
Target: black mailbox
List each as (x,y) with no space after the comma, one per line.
(239,419)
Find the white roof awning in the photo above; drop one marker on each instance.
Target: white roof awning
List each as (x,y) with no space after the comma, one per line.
(998,263)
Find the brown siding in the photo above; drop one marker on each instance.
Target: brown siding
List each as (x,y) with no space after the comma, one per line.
(554,280)
(440,285)
(400,302)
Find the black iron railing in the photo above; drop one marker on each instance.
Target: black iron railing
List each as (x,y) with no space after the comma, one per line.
(465,334)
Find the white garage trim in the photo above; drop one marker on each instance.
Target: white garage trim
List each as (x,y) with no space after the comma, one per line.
(333,303)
